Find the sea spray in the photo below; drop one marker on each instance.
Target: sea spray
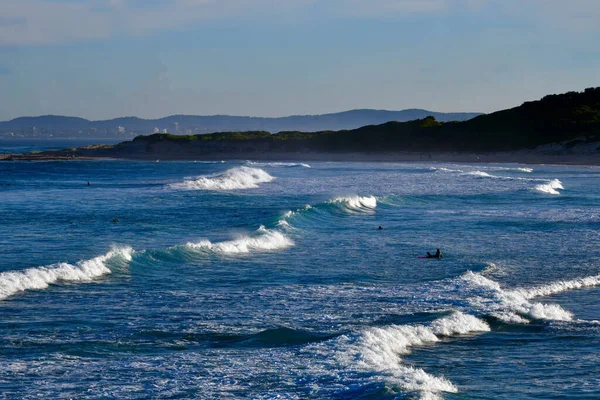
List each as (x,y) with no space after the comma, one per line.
(12,282)
(232,179)
(550,187)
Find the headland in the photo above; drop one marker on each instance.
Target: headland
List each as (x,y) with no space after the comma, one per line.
(558,129)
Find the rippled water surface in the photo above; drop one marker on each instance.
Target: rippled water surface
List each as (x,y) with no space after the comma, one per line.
(271,280)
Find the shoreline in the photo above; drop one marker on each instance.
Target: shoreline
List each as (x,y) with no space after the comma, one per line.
(518,157)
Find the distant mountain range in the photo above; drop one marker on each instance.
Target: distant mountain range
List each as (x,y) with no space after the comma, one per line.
(60,126)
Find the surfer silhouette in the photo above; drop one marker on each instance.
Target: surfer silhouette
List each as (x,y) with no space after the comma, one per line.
(438,254)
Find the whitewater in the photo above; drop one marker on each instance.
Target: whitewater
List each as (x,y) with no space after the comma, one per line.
(248,279)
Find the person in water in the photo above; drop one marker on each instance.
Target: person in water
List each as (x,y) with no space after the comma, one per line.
(380,228)
(438,254)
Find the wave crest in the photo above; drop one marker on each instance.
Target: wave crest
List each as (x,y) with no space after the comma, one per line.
(480,174)
(232,179)
(278,164)
(379,350)
(513,305)
(560,286)
(550,187)
(354,204)
(264,239)
(12,282)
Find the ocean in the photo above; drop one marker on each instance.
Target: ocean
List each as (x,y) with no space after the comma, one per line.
(240,279)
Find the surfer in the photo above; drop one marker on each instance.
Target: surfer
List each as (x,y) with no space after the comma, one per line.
(438,254)
(116,219)
(380,228)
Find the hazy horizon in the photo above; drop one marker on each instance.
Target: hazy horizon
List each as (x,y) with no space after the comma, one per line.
(104,59)
(244,116)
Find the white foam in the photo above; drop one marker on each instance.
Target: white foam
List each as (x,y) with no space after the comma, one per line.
(278,164)
(290,213)
(458,324)
(509,317)
(560,286)
(550,187)
(284,224)
(511,305)
(12,282)
(263,239)
(380,349)
(518,169)
(232,179)
(490,268)
(480,174)
(356,203)
(443,169)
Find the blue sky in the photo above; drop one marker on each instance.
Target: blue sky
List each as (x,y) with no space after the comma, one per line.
(101,59)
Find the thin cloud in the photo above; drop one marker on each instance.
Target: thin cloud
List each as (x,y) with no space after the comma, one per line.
(26,22)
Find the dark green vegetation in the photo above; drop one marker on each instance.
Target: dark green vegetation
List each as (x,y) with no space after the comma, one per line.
(552,119)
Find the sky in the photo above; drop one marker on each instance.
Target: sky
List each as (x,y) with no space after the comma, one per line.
(101,59)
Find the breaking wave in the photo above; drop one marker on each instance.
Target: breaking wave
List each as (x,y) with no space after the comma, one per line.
(560,286)
(376,353)
(521,169)
(355,204)
(232,179)
(379,350)
(515,169)
(278,164)
(514,305)
(322,213)
(12,282)
(481,174)
(550,187)
(262,240)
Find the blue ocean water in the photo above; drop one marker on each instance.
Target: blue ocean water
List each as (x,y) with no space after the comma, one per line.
(271,280)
